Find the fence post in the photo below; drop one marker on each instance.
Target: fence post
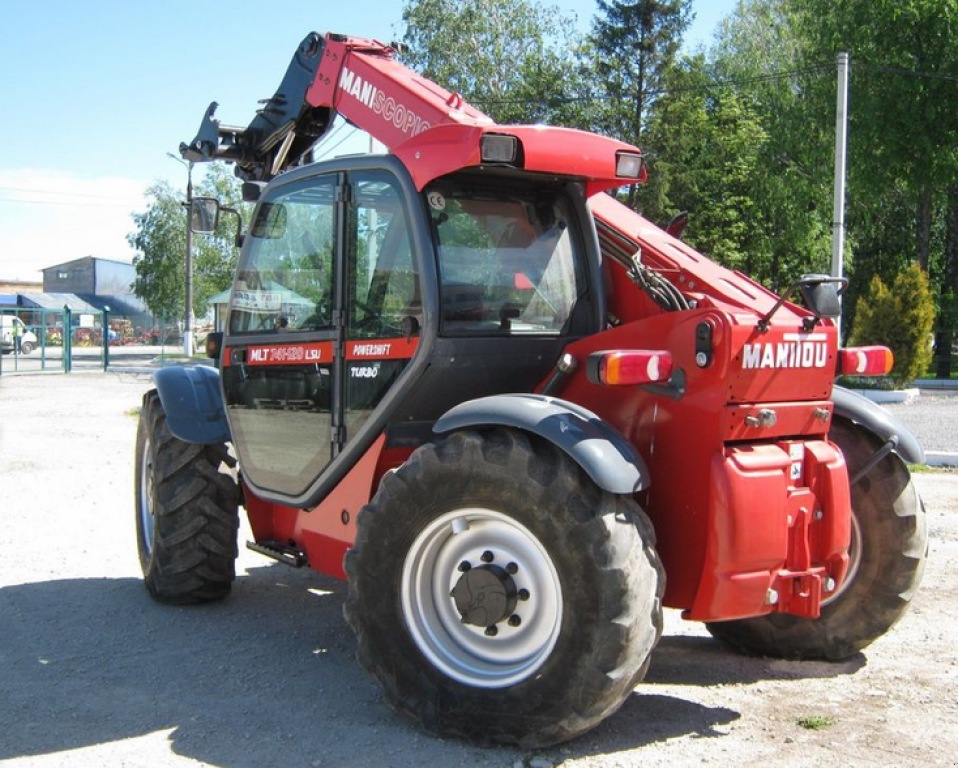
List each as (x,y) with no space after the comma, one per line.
(67,339)
(106,336)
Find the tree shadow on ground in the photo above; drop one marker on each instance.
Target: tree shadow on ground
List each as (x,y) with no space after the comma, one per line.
(266,677)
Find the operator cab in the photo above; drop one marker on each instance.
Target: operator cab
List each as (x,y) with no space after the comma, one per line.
(363,306)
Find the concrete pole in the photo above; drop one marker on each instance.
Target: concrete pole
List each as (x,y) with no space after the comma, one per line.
(841,147)
(188,314)
(188,330)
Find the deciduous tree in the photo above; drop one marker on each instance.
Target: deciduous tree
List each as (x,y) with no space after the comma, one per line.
(160,241)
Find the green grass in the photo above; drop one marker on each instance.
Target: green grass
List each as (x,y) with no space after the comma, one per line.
(815,722)
(134,412)
(169,356)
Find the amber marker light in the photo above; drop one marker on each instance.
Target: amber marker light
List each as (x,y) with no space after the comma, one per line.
(625,368)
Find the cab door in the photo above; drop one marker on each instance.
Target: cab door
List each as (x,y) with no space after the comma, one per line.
(279,368)
(315,337)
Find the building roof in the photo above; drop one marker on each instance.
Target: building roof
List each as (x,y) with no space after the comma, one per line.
(85,258)
(55,301)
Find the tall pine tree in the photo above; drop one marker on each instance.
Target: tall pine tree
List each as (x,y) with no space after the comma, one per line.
(635,46)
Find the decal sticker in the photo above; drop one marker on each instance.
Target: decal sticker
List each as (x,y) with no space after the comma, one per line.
(271,301)
(436,201)
(797,350)
(290,354)
(381,349)
(364,371)
(375,99)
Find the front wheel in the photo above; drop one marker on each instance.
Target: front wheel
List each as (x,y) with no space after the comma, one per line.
(186,512)
(886,561)
(498,595)
(26,347)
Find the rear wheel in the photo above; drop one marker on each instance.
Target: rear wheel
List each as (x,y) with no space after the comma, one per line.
(886,561)
(26,348)
(186,512)
(497,594)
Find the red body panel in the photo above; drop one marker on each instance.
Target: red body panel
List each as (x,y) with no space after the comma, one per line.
(327,531)
(726,506)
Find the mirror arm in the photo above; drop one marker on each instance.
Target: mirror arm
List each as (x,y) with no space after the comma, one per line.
(238,240)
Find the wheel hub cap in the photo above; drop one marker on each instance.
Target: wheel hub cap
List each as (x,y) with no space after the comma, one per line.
(485,595)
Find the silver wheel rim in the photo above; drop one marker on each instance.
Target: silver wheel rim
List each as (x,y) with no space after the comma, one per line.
(464,652)
(146,498)
(854,561)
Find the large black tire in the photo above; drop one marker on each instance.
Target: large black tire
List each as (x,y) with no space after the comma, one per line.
(887,558)
(186,512)
(589,621)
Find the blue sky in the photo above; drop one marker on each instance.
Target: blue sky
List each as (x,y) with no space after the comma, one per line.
(96,92)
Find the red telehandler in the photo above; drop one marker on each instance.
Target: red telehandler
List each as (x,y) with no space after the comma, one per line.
(505,408)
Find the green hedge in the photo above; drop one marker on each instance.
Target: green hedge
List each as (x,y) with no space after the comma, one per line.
(901,318)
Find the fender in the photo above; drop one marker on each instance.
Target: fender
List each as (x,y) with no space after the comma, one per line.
(606,456)
(859,409)
(193,403)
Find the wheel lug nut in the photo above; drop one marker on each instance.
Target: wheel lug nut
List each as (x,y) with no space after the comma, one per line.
(492,631)
(512,569)
(523,594)
(487,557)
(465,565)
(515,620)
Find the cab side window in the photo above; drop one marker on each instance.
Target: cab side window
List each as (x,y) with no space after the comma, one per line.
(382,283)
(285,282)
(508,264)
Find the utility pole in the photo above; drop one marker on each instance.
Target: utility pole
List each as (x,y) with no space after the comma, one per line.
(841,147)
(188,319)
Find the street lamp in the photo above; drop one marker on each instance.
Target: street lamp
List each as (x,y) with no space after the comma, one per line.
(188,322)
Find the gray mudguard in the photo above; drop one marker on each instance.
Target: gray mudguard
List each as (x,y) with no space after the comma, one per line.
(875,419)
(607,457)
(193,403)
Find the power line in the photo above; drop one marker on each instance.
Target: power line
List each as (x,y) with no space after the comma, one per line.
(327,152)
(72,204)
(908,72)
(768,77)
(815,69)
(63,194)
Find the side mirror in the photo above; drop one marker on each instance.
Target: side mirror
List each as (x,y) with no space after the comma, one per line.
(677,226)
(204,215)
(821,294)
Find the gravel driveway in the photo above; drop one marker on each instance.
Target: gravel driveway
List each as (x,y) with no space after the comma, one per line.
(92,673)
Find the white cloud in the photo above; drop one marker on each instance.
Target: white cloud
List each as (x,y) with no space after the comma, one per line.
(47,218)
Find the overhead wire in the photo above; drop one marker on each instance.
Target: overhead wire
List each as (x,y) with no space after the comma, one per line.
(325,152)
(814,69)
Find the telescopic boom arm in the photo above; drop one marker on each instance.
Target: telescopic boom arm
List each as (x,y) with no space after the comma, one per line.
(357,78)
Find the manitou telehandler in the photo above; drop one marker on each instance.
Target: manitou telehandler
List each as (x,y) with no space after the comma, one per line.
(505,408)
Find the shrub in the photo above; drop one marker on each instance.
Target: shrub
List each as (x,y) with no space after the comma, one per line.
(900,318)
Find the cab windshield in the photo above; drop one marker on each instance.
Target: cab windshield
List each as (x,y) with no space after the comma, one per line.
(509,260)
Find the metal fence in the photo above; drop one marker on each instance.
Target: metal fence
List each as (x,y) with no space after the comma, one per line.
(51,341)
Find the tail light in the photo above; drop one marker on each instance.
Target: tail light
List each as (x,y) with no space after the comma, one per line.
(629,367)
(865,361)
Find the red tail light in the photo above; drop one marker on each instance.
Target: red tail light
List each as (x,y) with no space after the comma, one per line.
(629,367)
(865,361)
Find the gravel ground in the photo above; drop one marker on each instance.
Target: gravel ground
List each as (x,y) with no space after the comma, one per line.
(933,417)
(92,673)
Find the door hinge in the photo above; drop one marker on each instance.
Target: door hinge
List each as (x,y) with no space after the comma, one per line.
(338,435)
(344,193)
